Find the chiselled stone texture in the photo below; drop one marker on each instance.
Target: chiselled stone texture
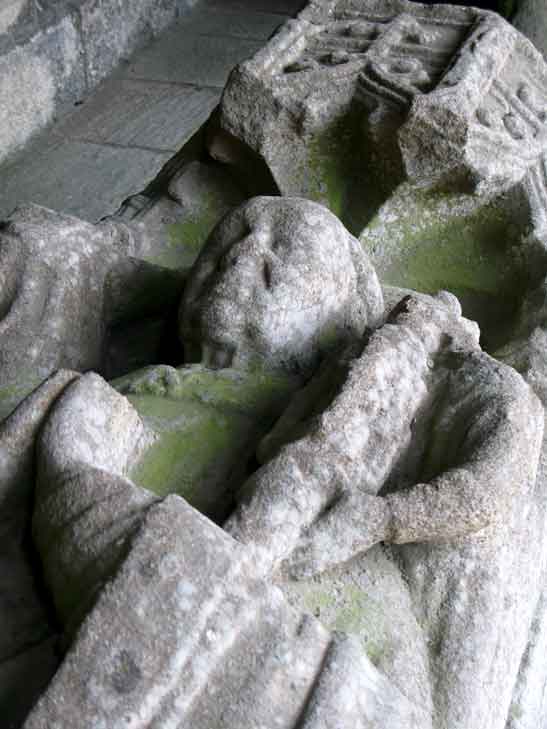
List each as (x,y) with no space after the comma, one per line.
(458,91)
(28,656)
(79,531)
(486,115)
(84,452)
(469,465)
(219,648)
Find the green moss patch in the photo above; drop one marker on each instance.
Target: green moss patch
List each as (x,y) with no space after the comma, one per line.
(208,424)
(186,239)
(206,192)
(350,609)
(431,241)
(347,171)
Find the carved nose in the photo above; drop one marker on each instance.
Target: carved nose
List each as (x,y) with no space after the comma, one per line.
(246,256)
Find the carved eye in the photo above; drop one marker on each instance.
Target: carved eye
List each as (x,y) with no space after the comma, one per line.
(414,37)
(336,58)
(304,64)
(267,274)
(525,94)
(514,126)
(206,269)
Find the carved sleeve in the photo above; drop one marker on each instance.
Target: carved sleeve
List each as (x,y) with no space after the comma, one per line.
(495,463)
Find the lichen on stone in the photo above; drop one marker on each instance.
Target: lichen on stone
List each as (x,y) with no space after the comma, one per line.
(429,241)
(207,423)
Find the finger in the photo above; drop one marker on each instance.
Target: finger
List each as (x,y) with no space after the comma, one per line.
(342,533)
(284,500)
(355,523)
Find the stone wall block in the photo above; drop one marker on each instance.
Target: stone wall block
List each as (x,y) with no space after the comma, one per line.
(52,54)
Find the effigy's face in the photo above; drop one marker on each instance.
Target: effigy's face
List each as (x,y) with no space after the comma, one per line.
(273,281)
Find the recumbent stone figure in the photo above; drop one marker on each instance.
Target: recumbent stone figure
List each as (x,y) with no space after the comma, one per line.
(407,434)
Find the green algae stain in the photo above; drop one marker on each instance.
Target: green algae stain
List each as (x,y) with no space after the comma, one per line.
(186,239)
(348,172)
(515,712)
(429,242)
(207,425)
(251,392)
(192,442)
(349,609)
(12,395)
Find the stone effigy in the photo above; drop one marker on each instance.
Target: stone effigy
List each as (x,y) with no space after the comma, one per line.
(82,538)
(454,503)
(90,518)
(333,514)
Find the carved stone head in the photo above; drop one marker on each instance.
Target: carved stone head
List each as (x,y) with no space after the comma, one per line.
(279,283)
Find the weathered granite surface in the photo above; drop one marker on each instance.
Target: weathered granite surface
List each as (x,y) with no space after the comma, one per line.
(368,461)
(52,53)
(224,645)
(449,437)
(28,655)
(375,439)
(432,93)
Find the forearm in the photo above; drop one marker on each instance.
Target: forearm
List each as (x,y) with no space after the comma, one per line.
(283,498)
(457,503)
(495,463)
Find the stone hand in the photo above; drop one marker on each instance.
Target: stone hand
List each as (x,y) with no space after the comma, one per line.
(352,525)
(159,380)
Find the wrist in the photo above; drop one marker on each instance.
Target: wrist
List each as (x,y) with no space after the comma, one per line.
(391,521)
